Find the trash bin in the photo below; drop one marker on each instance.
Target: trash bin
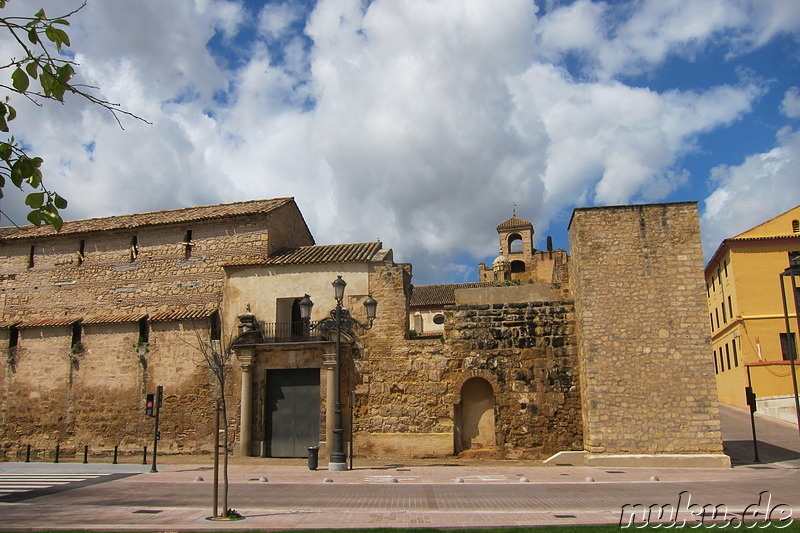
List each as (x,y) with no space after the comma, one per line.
(313,457)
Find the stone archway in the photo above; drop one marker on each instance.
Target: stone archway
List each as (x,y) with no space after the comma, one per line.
(475,420)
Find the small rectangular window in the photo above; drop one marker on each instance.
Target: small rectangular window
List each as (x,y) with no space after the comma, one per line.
(728,356)
(735,353)
(716,366)
(187,244)
(144,331)
(711,318)
(134,248)
(32,256)
(713,287)
(730,307)
(81,252)
(721,362)
(77,338)
(716,314)
(725,267)
(788,346)
(216,327)
(13,337)
(724,314)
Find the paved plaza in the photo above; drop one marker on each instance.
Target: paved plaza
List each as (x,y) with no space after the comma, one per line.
(452,493)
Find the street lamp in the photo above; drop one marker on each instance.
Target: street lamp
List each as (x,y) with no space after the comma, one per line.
(339,322)
(791,344)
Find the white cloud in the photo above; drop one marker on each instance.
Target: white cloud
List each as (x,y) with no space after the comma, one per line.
(790,106)
(746,195)
(418,122)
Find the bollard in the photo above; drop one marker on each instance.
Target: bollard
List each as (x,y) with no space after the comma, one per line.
(313,457)
(58,449)
(144,459)
(85,453)
(28,454)
(115,455)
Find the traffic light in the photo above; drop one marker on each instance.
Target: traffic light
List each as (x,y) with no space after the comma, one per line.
(148,407)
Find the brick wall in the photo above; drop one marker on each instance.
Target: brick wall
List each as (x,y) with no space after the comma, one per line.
(647,378)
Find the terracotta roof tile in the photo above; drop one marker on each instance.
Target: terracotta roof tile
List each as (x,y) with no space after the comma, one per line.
(165,316)
(113,319)
(189,214)
(8,323)
(514,222)
(440,295)
(333,253)
(48,322)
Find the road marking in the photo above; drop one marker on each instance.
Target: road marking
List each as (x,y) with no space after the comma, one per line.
(19,483)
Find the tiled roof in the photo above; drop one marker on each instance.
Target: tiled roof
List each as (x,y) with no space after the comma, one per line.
(438,295)
(8,323)
(113,319)
(165,316)
(332,253)
(189,214)
(48,323)
(514,222)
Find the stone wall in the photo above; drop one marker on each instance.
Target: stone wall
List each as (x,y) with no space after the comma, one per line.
(407,390)
(527,351)
(647,378)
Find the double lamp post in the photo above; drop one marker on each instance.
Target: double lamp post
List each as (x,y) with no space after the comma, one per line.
(338,323)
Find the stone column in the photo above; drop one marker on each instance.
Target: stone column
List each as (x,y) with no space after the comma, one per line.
(329,361)
(246,416)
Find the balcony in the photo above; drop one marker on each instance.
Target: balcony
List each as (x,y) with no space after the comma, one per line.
(288,332)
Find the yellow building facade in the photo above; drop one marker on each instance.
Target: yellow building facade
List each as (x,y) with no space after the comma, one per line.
(746,315)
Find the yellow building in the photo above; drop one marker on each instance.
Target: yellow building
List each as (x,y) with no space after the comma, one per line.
(746,315)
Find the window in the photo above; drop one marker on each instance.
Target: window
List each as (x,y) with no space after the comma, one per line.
(725,267)
(724,314)
(721,362)
(713,287)
(730,307)
(438,319)
(795,226)
(727,355)
(81,251)
(187,244)
(716,314)
(514,243)
(716,366)
(32,256)
(788,346)
(517,266)
(735,353)
(216,326)
(134,248)
(77,344)
(144,331)
(711,318)
(13,337)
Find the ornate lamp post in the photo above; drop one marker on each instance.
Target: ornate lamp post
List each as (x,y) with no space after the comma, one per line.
(339,322)
(791,272)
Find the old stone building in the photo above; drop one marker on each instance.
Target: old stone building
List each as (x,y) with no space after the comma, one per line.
(566,361)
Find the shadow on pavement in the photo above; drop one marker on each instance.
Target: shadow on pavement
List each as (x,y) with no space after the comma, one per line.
(741,452)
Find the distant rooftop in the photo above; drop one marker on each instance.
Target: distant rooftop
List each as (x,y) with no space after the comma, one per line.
(318,254)
(439,295)
(156,218)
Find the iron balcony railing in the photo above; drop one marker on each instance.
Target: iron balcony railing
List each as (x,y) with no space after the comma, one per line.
(289,332)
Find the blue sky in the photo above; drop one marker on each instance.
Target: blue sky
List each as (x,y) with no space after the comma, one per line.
(422,122)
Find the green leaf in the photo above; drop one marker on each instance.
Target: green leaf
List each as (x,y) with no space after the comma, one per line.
(32,69)
(5,151)
(65,73)
(62,35)
(65,22)
(20,80)
(12,113)
(37,161)
(36,218)
(3,124)
(40,14)
(35,200)
(33,35)
(36,178)
(59,202)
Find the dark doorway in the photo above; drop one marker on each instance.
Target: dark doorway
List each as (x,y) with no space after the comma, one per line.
(292,411)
